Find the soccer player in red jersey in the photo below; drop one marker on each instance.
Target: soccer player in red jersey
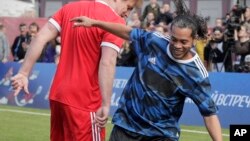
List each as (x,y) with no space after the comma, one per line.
(82,87)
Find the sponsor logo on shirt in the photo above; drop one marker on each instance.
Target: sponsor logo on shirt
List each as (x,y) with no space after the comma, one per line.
(152,60)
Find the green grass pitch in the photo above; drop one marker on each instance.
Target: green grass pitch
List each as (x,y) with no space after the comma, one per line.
(27,124)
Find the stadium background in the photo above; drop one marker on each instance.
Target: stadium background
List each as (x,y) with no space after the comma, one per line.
(230,90)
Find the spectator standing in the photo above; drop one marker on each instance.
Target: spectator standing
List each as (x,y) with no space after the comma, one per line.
(150,19)
(199,47)
(214,52)
(247,16)
(160,29)
(201,44)
(242,46)
(49,52)
(19,46)
(149,26)
(81,90)
(4,45)
(247,64)
(127,57)
(152,7)
(165,15)
(219,22)
(33,30)
(134,21)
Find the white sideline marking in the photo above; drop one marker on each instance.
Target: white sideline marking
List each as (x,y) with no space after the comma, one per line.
(24,112)
(200,132)
(44,114)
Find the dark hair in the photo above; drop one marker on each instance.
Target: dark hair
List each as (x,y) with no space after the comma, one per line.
(217,28)
(21,25)
(185,19)
(34,24)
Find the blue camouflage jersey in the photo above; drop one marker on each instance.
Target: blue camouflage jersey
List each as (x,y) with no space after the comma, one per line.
(153,99)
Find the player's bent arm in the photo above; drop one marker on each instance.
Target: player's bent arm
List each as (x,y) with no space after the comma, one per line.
(47,33)
(213,126)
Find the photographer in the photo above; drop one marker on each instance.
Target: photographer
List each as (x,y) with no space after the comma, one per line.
(247,64)
(246,16)
(239,15)
(214,51)
(242,47)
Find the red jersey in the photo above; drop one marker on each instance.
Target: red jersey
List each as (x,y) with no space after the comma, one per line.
(76,79)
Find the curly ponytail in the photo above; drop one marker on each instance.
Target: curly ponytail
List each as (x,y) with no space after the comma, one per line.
(185,19)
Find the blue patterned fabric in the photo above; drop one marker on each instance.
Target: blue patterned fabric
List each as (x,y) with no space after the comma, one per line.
(153,99)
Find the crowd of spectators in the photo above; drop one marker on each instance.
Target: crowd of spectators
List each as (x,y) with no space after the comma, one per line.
(16,51)
(226,49)
(154,18)
(21,44)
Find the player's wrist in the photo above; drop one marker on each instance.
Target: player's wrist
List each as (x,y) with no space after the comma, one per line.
(106,104)
(23,74)
(96,23)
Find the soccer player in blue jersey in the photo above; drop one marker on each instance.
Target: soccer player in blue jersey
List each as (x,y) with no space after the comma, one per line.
(168,71)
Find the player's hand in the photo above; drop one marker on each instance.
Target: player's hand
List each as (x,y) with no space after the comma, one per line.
(19,82)
(82,21)
(102,115)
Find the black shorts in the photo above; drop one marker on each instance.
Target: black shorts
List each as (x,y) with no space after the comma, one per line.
(121,134)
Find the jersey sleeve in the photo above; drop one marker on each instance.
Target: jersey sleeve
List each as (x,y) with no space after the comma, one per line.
(145,42)
(201,95)
(111,40)
(139,39)
(57,19)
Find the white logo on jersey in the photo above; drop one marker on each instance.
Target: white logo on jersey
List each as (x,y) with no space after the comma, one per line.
(152,60)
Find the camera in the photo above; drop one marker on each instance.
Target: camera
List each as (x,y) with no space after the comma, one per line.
(234,22)
(28,38)
(242,68)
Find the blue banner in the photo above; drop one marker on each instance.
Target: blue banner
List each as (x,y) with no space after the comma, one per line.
(39,84)
(121,78)
(230,91)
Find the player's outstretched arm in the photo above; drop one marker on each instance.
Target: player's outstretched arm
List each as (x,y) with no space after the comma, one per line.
(213,126)
(115,28)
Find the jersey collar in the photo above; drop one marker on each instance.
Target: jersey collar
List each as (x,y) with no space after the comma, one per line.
(181,61)
(103,2)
